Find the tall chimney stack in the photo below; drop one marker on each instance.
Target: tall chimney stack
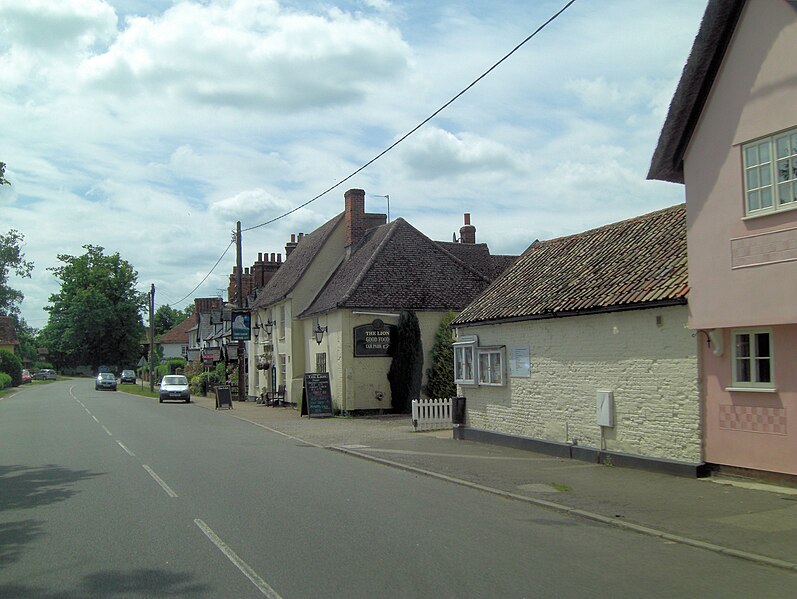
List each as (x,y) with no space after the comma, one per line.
(355,216)
(467,233)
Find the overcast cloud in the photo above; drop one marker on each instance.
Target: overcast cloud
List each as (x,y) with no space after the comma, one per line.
(150,127)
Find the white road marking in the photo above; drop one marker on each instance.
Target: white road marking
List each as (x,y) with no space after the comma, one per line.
(247,571)
(122,445)
(95,419)
(160,481)
(105,428)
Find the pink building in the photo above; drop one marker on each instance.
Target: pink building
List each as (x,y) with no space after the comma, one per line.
(731,138)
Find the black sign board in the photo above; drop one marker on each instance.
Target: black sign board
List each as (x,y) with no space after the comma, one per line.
(374,340)
(317,394)
(223,397)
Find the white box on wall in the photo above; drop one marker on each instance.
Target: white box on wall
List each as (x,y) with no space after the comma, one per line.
(605,408)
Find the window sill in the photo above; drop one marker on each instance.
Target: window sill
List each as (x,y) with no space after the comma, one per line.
(751,389)
(770,211)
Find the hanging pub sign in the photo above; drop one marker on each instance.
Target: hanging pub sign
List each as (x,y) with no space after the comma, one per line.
(211,355)
(374,340)
(241,325)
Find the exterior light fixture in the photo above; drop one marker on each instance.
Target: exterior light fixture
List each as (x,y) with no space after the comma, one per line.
(268,327)
(318,332)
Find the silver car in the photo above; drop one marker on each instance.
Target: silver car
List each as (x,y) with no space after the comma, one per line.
(174,386)
(105,380)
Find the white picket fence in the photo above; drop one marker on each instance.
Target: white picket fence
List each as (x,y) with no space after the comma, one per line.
(431,414)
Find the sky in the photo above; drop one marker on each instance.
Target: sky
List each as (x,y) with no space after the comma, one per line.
(150,127)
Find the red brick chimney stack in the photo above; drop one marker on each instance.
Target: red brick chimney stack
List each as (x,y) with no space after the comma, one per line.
(290,246)
(467,233)
(355,216)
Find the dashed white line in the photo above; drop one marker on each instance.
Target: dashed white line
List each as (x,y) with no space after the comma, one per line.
(247,571)
(122,445)
(105,428)
(95,419)
(160,481)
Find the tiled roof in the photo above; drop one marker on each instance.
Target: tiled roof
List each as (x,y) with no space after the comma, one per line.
(635,263)
(8,331)
(178,333)
(478,256)
(702,66)
(396,266)
(295,265)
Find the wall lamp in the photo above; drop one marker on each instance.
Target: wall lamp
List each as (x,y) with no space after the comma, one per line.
(267,326)
(318,332)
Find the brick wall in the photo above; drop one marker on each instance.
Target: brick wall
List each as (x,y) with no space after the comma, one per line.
(650,364)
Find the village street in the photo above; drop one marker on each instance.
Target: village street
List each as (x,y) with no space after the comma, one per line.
(108,494)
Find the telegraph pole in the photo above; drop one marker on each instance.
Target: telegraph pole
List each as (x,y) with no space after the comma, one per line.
(239,286)
(152,339)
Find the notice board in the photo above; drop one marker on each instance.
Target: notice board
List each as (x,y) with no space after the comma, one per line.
(223,397)
(317,395)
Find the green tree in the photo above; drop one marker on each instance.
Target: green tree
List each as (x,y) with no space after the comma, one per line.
(96,316)
(10,364)
(166,318)
(440,377)
(3,180)
(26,336)
(12,258)
(406,368)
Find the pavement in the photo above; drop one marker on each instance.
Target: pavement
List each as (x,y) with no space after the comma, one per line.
(737,517)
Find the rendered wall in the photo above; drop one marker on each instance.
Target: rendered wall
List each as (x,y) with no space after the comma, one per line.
(750,429)
(753,97)
(650,366)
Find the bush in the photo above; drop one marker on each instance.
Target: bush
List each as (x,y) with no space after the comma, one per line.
(170,366)
(12,366)
(5,380)
(440,377)
(406,369)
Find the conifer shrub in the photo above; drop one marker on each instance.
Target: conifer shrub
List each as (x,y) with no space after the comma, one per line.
(12,366)
(406,368)
(440,377)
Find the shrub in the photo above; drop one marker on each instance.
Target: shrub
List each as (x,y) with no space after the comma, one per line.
(5,380)
(440,377)
(406,369)
(12,366)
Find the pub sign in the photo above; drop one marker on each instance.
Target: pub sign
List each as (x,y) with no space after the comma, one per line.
(374,339)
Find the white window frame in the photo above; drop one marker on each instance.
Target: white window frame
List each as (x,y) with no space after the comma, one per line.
(493,375)
(769,170)
(752,360)
(464,355)
(283,322)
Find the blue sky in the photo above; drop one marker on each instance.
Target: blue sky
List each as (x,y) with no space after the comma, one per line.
(150,127)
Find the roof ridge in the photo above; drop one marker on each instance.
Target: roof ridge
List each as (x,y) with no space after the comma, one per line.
(392,226)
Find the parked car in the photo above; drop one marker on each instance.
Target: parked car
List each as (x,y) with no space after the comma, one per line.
(105,380)
(128,376)
(26,378)
(45,374)
(174,386)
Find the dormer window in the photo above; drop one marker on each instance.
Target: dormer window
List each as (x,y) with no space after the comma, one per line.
(770,173)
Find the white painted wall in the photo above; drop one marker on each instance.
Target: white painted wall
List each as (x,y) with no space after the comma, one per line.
(651,368)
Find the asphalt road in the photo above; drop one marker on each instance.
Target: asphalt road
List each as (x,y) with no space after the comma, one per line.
(103,494)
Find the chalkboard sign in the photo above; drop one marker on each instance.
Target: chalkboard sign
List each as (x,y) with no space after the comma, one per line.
(223,397)
(317,394)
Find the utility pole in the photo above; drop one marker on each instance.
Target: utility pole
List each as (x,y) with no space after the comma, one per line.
(240,294)
(152,339)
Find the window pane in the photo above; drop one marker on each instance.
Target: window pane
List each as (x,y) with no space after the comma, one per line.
(784,193)
(495,368)
(751,156)
(763,374)
(783,170)
(458,363)
(743,345)
(752,178)
(766,197)
(468,357)
(762,345)
(765,176)
(743,370)
(794,143)
(782,144)
(484,368)
(753,201)
(763,152)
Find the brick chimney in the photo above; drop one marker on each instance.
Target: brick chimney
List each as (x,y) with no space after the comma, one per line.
(290,246)
(264,269)
(355,216)
(467,233)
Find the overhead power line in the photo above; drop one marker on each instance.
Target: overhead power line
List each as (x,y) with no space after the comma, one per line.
(419,125)
(181,300)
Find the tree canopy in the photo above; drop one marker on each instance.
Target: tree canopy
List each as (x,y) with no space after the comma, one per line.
(3,180)
(12,258)
(166,318)
(96,316)
(406,368)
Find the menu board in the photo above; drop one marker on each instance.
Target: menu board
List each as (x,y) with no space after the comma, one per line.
(223,397)
(317,394)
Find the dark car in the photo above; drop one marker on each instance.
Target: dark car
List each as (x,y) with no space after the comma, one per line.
(105,380)
(128,376)
(45,374)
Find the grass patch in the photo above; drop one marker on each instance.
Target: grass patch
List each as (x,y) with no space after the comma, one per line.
(136,389)
(561,488)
